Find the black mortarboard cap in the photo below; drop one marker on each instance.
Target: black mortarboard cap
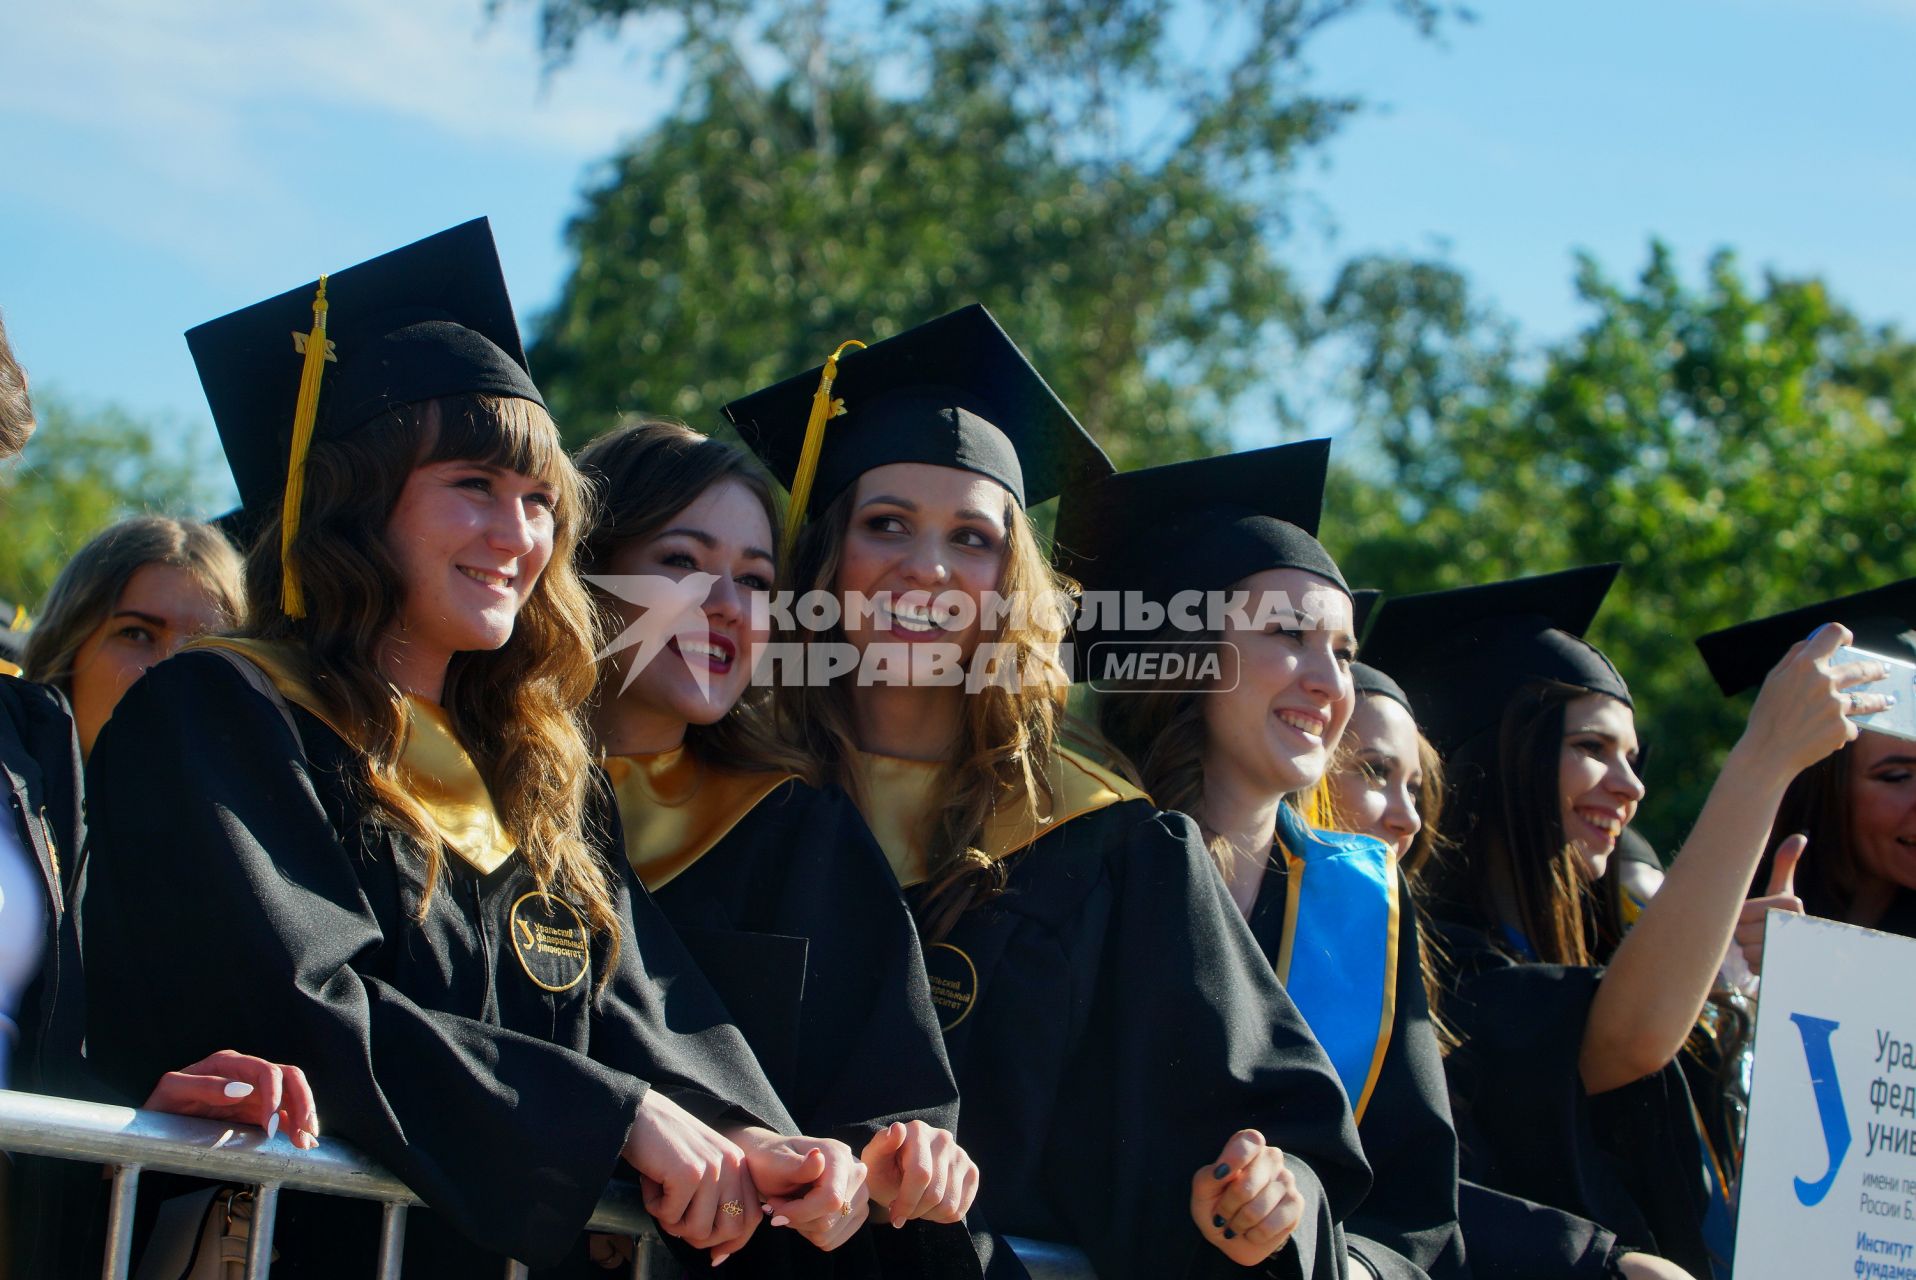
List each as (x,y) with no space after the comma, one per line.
(432,319)
(1199,525)
(1363,605)
(1883,620)
(953,392)
(1368,679)
(1461,654)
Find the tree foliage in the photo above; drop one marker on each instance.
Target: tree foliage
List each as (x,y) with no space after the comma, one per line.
(1112,188)
(83,470)
(1741,447)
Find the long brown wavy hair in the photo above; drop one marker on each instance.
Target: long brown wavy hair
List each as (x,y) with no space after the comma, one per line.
(1009,731)
(89,588)
(515,708)
(643,473)
(1503,822)
(1159,729)
(1817,804)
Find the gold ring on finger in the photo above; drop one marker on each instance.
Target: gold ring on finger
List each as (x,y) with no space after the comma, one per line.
(844,1209)
(732,1209)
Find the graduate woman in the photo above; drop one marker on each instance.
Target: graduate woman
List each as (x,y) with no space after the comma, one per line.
(1388,783)
(1844,844)
(1134,1081)
(776,884)
(366,836)
(1565,1087)
(1330,912)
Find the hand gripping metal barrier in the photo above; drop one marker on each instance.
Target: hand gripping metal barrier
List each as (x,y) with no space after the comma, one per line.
(128,1142)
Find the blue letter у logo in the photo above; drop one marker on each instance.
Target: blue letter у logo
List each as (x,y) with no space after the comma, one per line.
(1829,1102)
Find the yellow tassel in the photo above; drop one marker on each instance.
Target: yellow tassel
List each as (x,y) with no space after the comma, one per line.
(823,409)
(292,601)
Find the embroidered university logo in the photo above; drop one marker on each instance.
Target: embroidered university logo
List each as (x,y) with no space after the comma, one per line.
(551,941)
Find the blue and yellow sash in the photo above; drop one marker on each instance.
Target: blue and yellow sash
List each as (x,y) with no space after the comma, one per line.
(1338,958)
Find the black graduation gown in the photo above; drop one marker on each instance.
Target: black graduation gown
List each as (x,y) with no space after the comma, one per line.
(239,895)
(52,1204)
(1411,1210)
(1112,1022)
(795,917)
(1629,1159)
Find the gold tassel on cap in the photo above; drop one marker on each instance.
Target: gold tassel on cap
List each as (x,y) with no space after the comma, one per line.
(823,408)
(292,601)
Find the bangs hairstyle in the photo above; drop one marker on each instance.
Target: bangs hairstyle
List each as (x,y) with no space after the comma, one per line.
(89,587)
(643,474)
(515,708)
(1008,734)
(1503,823)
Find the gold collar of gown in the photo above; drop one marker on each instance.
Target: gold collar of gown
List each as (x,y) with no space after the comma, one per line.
(434,766)
(896,795)
(676,808)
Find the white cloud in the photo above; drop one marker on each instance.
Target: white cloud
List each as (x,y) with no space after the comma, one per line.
(164,122)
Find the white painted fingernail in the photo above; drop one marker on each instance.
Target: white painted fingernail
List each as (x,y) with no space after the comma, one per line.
(272,1126)
(238,1089)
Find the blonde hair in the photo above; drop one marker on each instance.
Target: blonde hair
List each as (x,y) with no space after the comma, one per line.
(516,708)
(90,586)
(1008,734)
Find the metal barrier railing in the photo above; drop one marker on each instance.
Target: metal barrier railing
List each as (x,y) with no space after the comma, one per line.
(129,1142)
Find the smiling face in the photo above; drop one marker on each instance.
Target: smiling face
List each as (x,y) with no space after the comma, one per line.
(470,540)
(703,671)
(1376,785)
(929,540)
(161,607)
(1274,733)
(1882,800)
(1597,778)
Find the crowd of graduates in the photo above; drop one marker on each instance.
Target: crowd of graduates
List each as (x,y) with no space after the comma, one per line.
(466,801)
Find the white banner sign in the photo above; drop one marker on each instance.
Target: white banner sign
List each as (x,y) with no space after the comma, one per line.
(1829,1174)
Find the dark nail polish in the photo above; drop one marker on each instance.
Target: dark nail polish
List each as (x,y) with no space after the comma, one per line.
(1222,1172)
(1229,1234)
(1217,1219)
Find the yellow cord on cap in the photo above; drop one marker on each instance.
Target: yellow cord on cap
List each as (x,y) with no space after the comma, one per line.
(292,601)
(823,408)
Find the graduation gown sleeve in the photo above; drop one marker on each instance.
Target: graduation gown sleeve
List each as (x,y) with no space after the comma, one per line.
(1407,1226)
(1407,1133)
(1515,1239)
(235,900)
(1123,1025)
(1628,1160)
(866,1049)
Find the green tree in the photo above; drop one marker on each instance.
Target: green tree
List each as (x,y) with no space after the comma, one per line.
(1741,447)
(83,470)
(1117,201)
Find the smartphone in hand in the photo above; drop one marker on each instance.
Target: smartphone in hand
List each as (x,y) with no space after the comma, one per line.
(1900,720)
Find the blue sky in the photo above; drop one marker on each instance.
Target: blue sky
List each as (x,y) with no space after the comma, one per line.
(164,163)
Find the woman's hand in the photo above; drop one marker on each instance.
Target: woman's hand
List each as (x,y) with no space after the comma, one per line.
(693,1182)
(815,1186)
(1645,1266)
(1247,1204)
(1781,897)
(1804,710)
(230,1085)
(918,1171)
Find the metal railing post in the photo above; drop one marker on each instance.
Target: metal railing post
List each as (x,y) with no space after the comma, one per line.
(392,1240)
(119,1222)
(259,1244)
